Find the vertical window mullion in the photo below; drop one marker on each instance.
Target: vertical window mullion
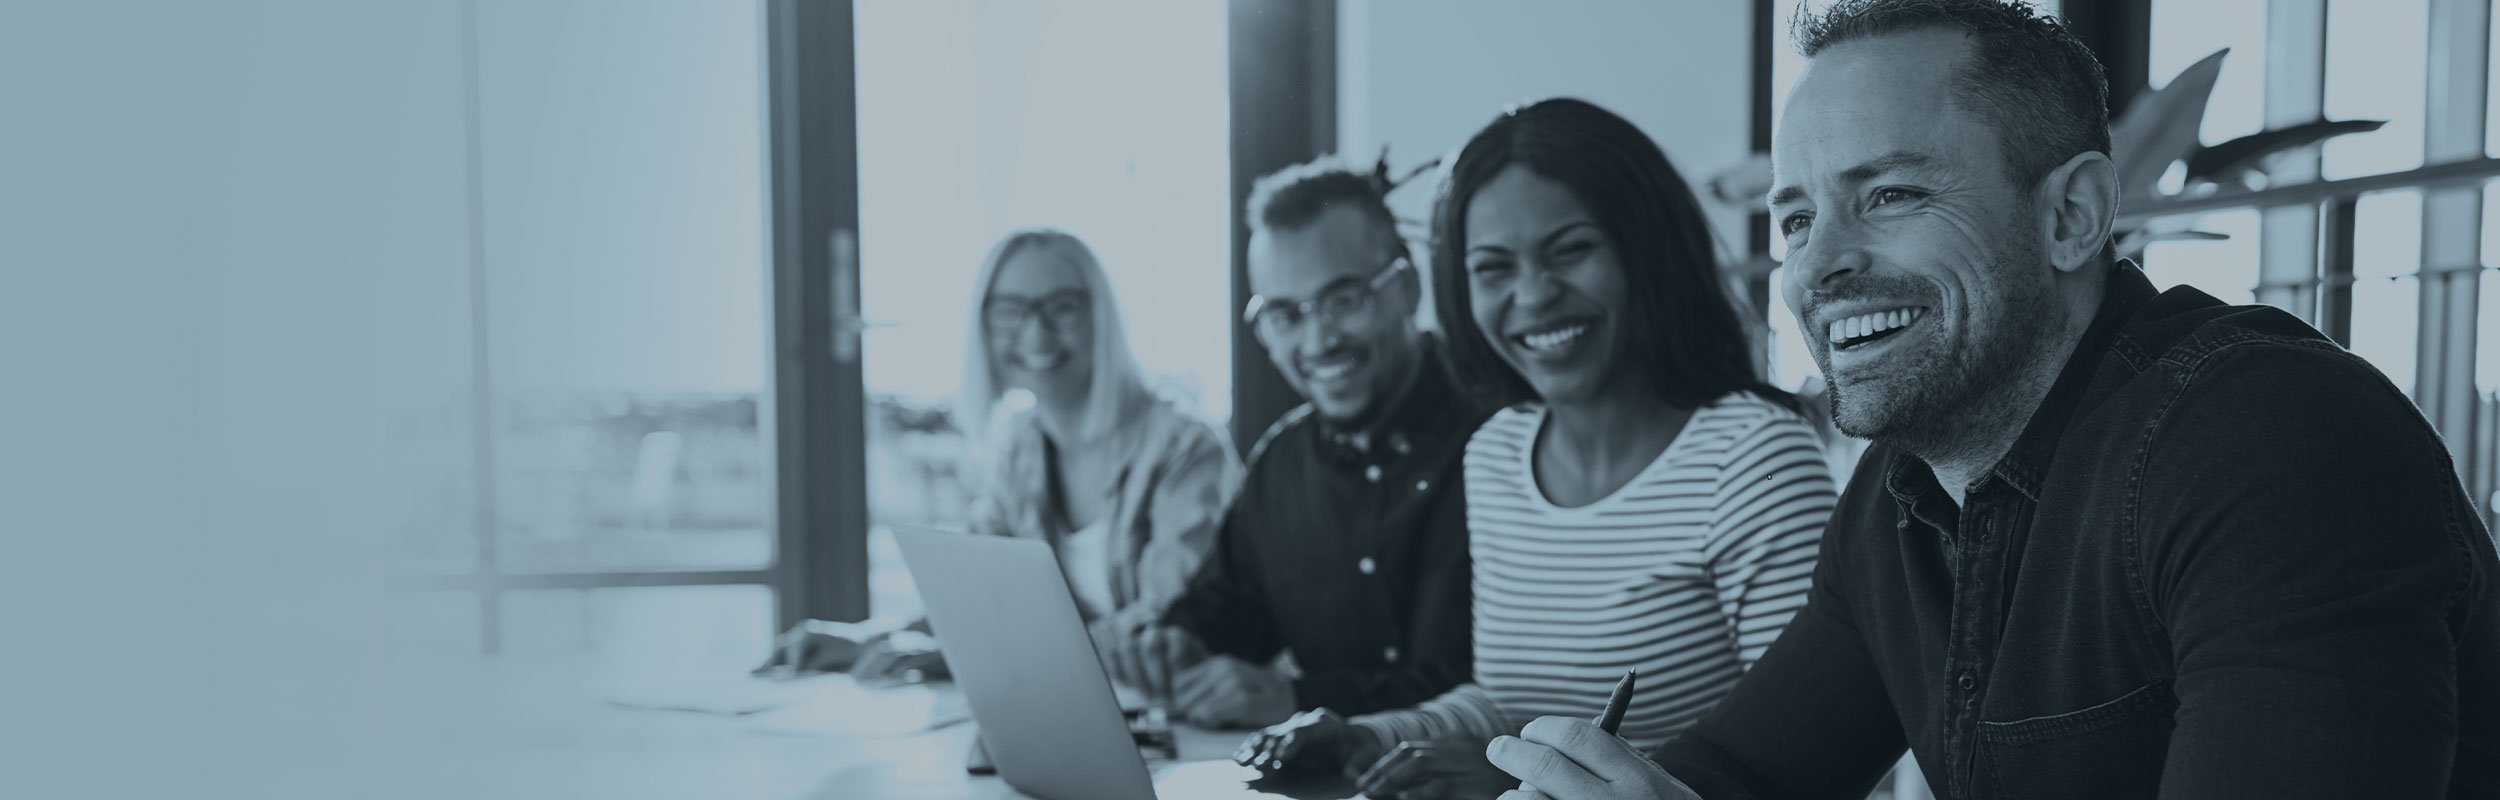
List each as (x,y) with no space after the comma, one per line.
(481,405)
(2458,64)
(2289,238)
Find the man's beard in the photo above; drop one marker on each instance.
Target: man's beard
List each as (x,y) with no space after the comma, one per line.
(1930,399)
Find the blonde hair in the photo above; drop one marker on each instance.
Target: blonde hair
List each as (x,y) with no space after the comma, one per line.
(1118,382)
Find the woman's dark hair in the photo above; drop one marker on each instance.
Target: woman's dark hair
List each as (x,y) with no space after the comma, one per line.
(1686,340)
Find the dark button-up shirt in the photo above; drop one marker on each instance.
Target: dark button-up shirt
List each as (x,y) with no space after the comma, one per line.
(2225,558)
(1349,548)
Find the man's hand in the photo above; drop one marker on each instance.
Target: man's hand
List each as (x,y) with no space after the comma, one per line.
(1227,692)
(1314,739)
(1563,758)
(1438,769)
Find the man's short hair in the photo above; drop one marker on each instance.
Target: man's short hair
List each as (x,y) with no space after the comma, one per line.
(2027,76)
(1294,197)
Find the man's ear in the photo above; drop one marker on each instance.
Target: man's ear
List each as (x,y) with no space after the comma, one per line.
(2078,205)
(1412,278)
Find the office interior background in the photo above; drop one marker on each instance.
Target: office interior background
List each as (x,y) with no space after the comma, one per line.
(402,380)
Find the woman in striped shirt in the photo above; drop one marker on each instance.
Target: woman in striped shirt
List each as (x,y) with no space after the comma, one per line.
(1644,502)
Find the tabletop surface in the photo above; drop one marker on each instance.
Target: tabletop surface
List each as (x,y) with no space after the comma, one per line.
(529,729)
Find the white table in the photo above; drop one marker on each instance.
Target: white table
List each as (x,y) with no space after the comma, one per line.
(538,729)
(930,767)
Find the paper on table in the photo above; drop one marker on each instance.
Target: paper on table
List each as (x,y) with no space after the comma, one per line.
(845,708)
(738,696)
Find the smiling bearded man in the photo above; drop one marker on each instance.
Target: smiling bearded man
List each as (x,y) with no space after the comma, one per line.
(1914,393)
(2110,542)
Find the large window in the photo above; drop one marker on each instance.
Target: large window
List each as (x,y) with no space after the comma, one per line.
(2181,34)
(599,414)
(2402,269)
(2398,273)
(2367,79)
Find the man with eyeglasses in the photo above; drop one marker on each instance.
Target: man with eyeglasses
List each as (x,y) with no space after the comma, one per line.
(1346,547)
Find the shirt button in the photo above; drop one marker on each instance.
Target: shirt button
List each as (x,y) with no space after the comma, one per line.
(1366,565)
(1372,473)
(1422,485)
(1391,654)
(1904,524)
(1967,682)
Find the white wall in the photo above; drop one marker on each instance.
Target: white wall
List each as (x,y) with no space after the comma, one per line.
(207,207)
(1423,75)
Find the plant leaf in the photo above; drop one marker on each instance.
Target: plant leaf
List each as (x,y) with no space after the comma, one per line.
(2132,245)
(2233,159)
(2156,228)
(2160,127)
(1742,184)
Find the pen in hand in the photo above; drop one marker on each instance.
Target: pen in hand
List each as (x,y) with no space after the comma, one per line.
(1612,717)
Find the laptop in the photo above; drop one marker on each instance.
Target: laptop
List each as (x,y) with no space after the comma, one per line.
(1019,650)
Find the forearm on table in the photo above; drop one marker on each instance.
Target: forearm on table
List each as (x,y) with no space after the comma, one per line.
(1467,711)
(1359,690)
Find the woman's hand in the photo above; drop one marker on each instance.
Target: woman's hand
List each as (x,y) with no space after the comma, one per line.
(1311,740)
(904,657)
(1437,769)
(1227,692)
(1151,659)
(817,646)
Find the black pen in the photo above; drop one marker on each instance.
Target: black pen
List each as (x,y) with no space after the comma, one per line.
(1616,703)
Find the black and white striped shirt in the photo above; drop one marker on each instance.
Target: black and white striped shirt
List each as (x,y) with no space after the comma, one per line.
(1687,572)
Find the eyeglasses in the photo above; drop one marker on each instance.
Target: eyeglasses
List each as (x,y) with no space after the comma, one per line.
(1341,306)
(1059,310)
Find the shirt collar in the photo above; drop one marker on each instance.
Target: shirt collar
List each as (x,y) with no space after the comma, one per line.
(2025,465)
(1913,486)
(1413,410)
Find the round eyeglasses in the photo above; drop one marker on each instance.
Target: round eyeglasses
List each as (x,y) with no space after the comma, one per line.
(1346,304)
(1005,314)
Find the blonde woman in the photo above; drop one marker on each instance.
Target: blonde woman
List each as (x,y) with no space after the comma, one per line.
(1126,487)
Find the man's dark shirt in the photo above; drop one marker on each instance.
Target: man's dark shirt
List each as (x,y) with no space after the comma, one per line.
(1352,556)
(2226,558)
